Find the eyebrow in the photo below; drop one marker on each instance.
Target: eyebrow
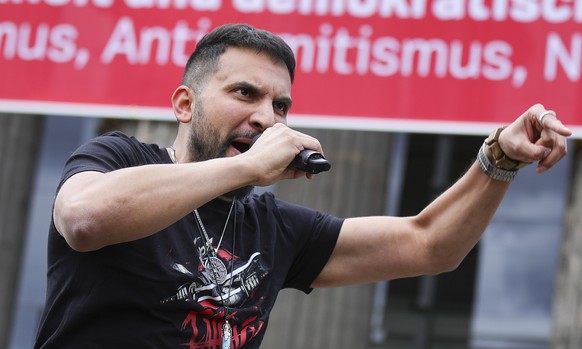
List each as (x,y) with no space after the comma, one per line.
(254,89)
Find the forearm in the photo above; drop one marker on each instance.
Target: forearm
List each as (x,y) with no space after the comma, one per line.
(93,210)
(438,238)
(453,223)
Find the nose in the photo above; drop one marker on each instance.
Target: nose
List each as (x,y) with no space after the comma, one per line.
(263,117)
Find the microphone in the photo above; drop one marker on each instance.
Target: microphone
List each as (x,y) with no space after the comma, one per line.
(310,161)
(307,160)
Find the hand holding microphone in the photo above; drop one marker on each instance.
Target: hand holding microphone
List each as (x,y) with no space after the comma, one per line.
(307,160)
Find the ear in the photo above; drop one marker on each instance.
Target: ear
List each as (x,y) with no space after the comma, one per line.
(183,103)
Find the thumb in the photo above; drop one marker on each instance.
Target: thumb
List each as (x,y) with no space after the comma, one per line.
(539,151)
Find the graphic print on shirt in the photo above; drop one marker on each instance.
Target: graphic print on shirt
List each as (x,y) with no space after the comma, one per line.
(212,287)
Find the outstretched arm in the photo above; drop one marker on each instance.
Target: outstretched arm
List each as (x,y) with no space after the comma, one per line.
(438,238)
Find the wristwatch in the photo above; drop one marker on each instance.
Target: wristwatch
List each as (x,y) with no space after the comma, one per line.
(503,167)
(500,160)
(492,171)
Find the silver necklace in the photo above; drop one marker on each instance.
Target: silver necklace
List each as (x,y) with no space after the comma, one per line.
(212,261)
(215,265)
(218,270)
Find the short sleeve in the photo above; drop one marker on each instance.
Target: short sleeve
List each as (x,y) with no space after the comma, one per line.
(109,152)
(319,233)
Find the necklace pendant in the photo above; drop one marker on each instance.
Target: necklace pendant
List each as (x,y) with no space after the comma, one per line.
(210,251)
(226,335)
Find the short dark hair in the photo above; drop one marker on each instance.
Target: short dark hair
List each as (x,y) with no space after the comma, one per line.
(204,59)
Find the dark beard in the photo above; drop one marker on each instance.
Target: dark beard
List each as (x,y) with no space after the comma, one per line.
(202,147)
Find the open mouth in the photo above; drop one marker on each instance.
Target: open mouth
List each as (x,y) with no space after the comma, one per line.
(241,145)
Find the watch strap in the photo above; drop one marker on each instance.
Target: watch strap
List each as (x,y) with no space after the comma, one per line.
(500,160)
(491,170)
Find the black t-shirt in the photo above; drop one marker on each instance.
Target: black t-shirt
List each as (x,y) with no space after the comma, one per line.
(156,292)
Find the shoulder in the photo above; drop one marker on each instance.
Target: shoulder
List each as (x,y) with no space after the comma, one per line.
(127,150)
(109,152)
(119,139)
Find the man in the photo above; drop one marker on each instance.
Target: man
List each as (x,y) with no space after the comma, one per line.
(164,247)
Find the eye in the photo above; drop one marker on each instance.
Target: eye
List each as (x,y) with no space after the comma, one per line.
(282,107)
(243,92)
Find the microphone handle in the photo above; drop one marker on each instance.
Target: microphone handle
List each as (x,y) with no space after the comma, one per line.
(310,161)
(307,160)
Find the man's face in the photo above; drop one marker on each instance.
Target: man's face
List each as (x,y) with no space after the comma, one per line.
(247,94)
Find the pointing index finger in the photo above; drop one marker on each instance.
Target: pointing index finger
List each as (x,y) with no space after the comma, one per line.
(556,125)
(548,119)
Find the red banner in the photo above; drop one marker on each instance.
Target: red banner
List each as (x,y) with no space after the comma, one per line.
(414,65)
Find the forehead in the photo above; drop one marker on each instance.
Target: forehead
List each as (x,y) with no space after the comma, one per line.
(239,64)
